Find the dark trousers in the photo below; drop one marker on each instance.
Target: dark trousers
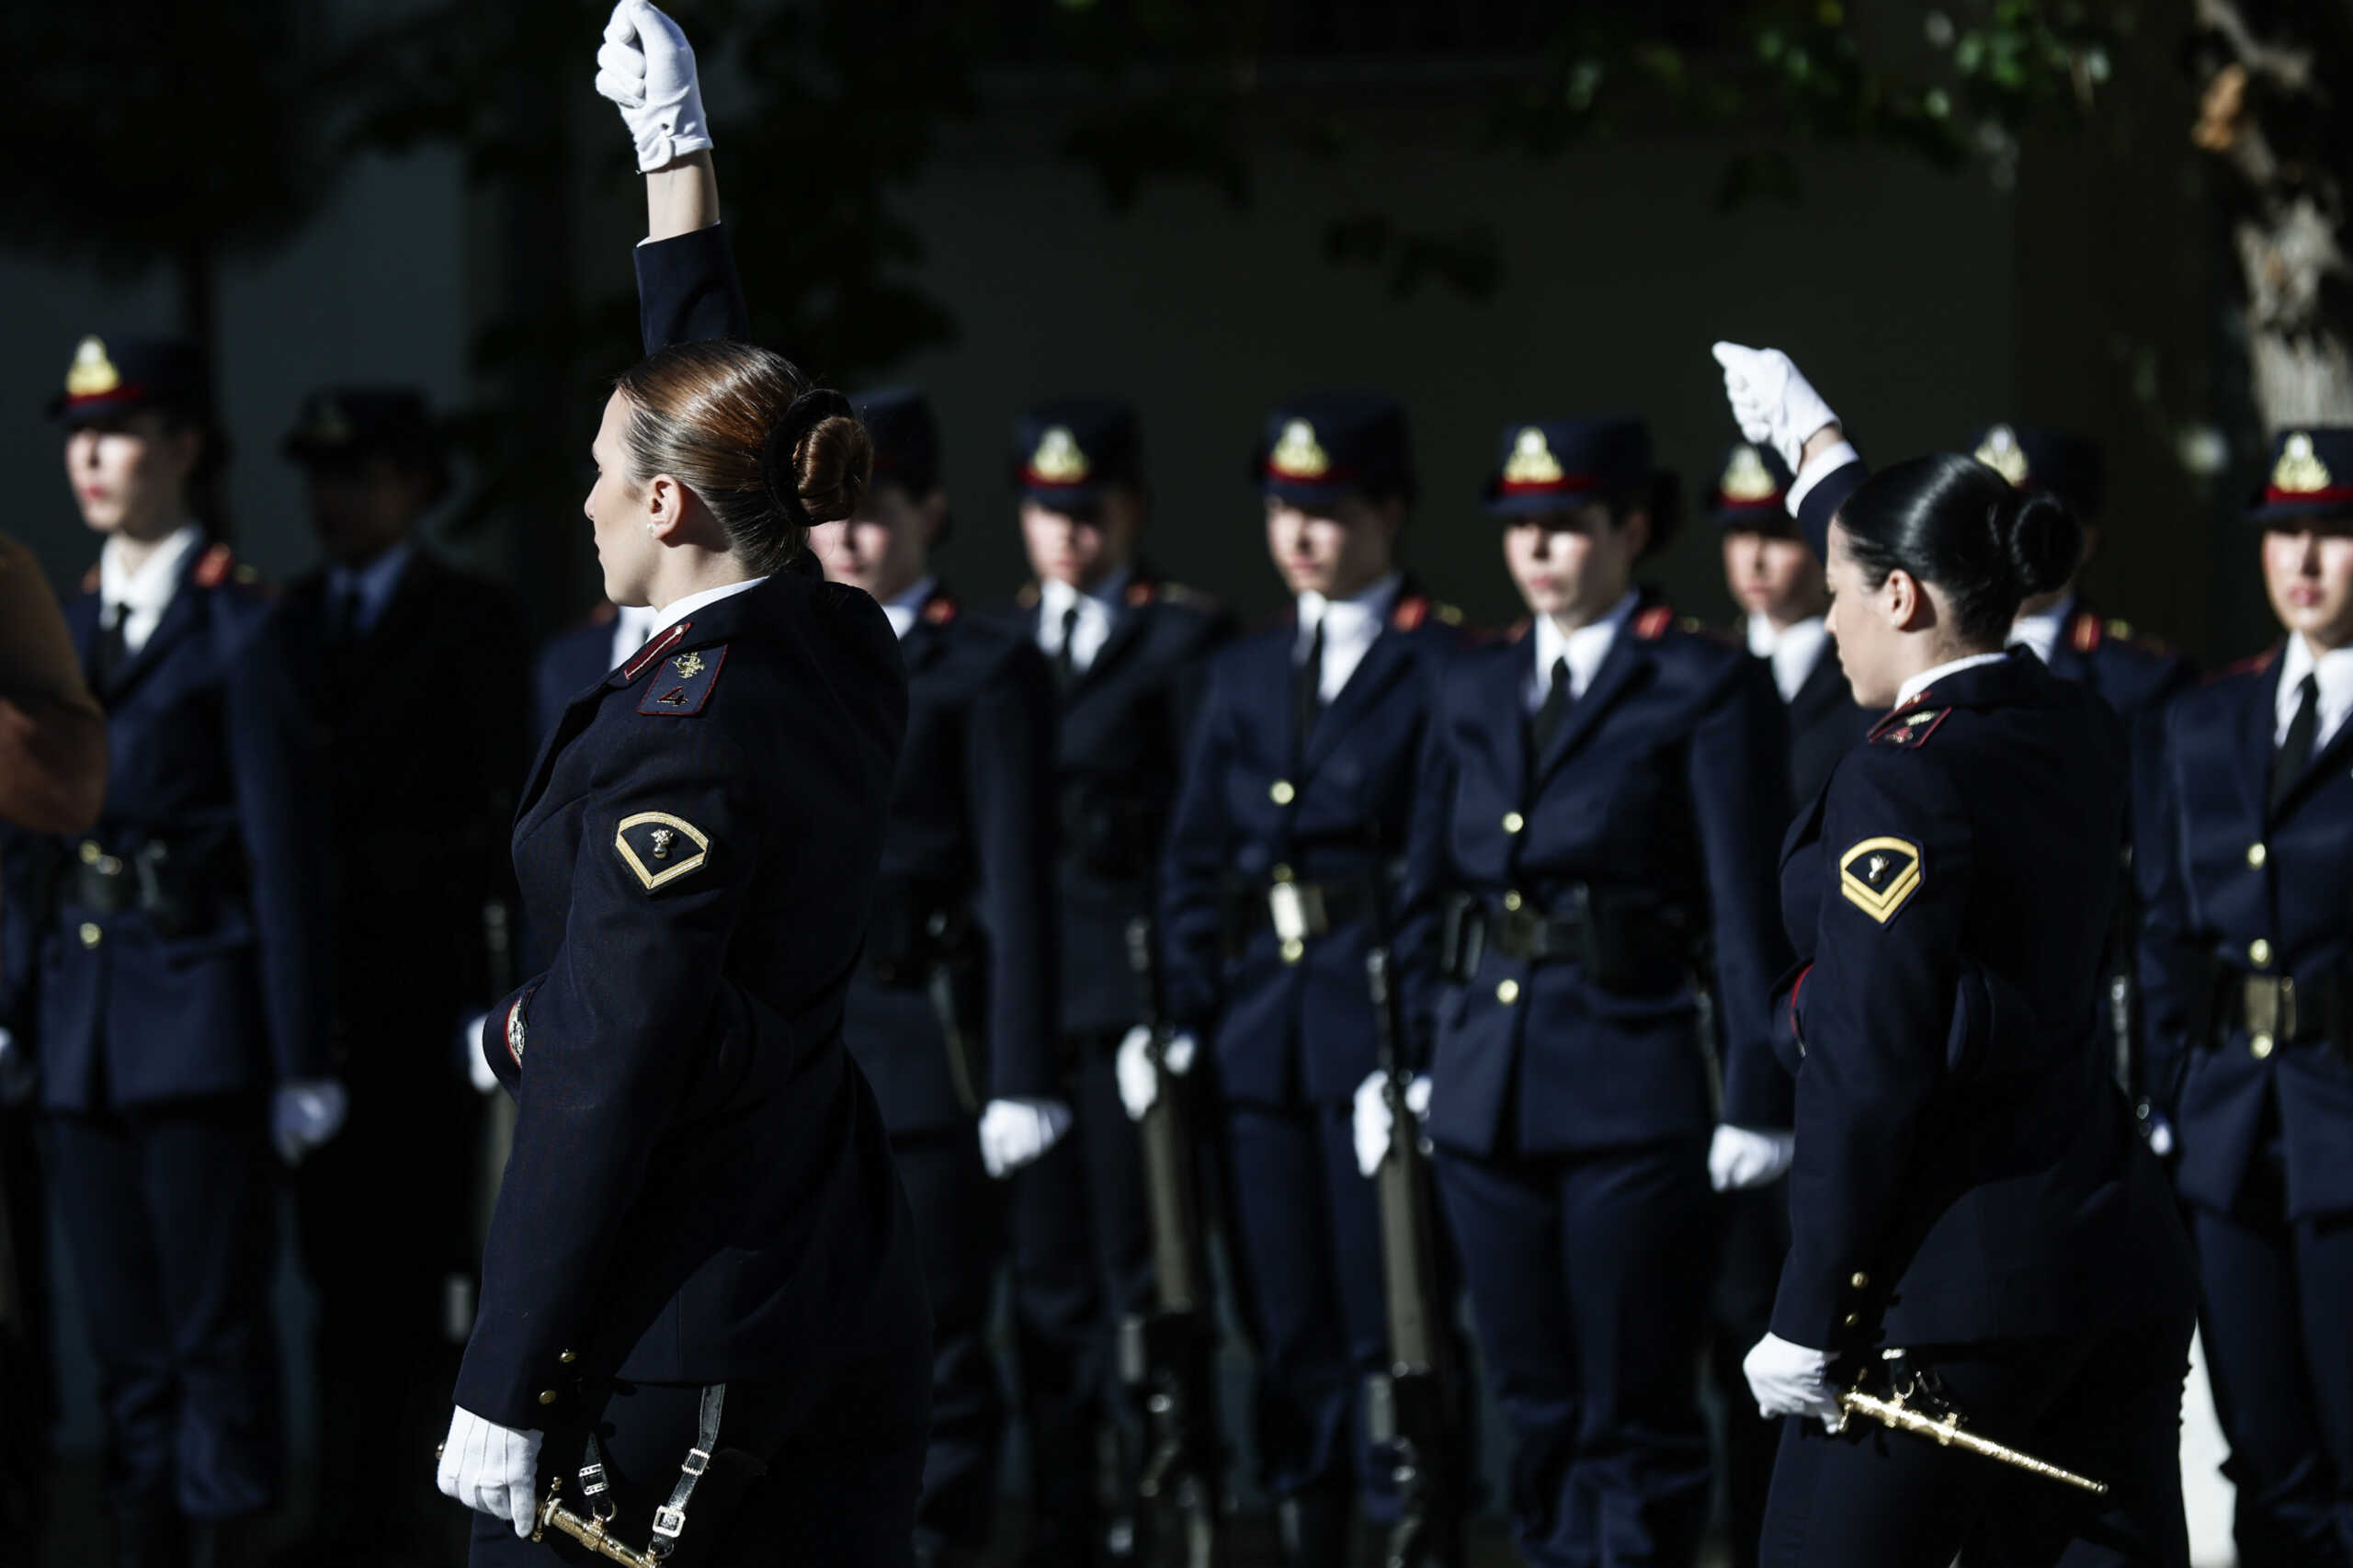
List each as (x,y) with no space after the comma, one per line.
(28,1391)
(1082,1257)
(167,1215)
(807,1470)
(1752,1239)
(1308,1229)
(2278,1315)
(961,1223)
(1588,1282)
(2106,1405)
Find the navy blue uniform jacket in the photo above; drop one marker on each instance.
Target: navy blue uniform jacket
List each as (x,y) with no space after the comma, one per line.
(1292,1034)
(1966,1166)
(1825,724)
(212,752)
(970,828)
(2244,889)
(569,662)
(700,1187)
(1663,794)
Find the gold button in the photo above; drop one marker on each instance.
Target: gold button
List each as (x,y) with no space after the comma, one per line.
(1861,1282)
(567,1357)
(1508,993)
(1281,793)
(90,852)
(1293,949)
(91,935)
(547,1396)
(2261,1046)
(1512,901)
(2257,854)
(2259,952)
(1514,821)
(1281,874)
(1854,1320)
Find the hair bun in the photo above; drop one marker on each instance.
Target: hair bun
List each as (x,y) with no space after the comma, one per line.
(2039,540)
(817,460)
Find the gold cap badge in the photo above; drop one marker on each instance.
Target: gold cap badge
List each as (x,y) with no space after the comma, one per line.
(1058,459)
(1746,478)
(2299,470)
(92,374)
(1297,454)
(1531,460)
(2001,453)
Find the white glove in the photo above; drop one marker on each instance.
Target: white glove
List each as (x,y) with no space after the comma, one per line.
(478,1070)
(17,1076)
(1789,1380)
(1739,1159)
(1372,1121)
(305,1115)
(492,1469)
(647,68)
(1771,402)
(1131,1067)
(1015,1133)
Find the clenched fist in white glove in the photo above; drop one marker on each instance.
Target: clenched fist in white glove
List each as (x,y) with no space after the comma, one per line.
(1373,1122)
(647,69)
(1740,1158)
(305,1114)
(1139,1082)
(492,1469)
(1771,402)
(1015,1133)
(1789,1380)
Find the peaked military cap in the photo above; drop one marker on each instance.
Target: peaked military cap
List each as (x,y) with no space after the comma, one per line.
(2310,476)
(1751,490)
(1065,452)
(347,424)
(2068,467)
(905,436)
(1323,446)
(1557,465)
(115,375)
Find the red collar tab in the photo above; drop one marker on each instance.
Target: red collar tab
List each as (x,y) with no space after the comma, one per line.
(1908,726)
(684,684)
(1409,612)
(1142,592)
(2084,633)
(645,657)
(213,567)
(1652,624)
(939,609)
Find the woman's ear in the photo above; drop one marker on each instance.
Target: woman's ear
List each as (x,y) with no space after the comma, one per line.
(666,507)
(1907,601)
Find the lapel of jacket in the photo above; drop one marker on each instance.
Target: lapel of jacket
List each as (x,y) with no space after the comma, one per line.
(82,625)
(1627,662)
(181,617)
(1384,664)
(2257,725)
(581,709)
(2325,759)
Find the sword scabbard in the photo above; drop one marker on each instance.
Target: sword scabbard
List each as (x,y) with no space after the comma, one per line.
(1947,1432)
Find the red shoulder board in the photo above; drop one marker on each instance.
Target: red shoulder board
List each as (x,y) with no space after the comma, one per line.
(684,683)
(2085,632)
(643,659)
(1652,624)
(212,569)
(940,610)
(1909,727)
(1142,593)
(1411,611)
(92,579)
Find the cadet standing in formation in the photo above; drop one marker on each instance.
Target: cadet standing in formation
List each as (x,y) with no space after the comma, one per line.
(953,1014)
(166,973)
(1283,865)
(1126,649)
(422,792)
(2248,973)
(1578,880)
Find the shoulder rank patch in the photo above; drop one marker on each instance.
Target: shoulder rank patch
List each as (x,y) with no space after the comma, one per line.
(1879,875)
(1909,729)
(213,567)
(1409,612)
(2087,632)
(683,683)
(661,849)
(1652,624)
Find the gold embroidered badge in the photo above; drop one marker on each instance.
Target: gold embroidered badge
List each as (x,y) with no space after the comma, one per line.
(2299,470)
(1298,454)
(1058,459)
(1880,875)
(656,837)
(1531,460)
(2001,453)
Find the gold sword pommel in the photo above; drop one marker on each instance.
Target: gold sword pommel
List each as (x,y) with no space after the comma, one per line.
(1945,1431)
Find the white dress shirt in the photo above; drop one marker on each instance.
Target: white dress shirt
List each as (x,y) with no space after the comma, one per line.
(2041,633)
(1584,649)
(903,609)
(1098,611)
(1926,678)
(2336,672)
(632,629)
(143,596)
(1794,650)
(374,583)
(1349,625)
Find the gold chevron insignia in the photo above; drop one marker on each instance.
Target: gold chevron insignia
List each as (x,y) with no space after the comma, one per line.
(1878,876)
(656,835)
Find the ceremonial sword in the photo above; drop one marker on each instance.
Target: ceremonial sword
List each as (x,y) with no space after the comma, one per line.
(1945,1431)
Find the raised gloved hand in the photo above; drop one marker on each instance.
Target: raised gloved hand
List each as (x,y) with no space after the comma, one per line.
(1789,1380)
(1740,1158)
(478,1069)
(1771,402)
(1373,1123)
(490,1469)
(647,69)
(305,1114)
(1131,1066)
(1015,1133)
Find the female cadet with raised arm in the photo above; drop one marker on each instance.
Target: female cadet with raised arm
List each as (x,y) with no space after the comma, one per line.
(1973,1219)
(701,1259)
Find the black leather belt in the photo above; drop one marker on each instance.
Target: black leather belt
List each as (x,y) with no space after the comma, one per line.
(2277,1009)
(1299,912)
(1624,940)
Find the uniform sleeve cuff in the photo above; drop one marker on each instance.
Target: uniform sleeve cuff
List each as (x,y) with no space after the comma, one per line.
(1819,467)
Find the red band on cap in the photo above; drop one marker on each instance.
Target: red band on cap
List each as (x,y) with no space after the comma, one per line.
(1032,479)
(1762,503)
(121,391)
(1336,474)
(2273,495)
(1568,484)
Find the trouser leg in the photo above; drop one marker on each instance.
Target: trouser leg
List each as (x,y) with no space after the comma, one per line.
(960,1222)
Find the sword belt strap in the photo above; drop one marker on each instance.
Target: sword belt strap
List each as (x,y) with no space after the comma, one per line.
(670,1519)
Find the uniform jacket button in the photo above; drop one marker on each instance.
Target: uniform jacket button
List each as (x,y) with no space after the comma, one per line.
(567,1357)
(1854,1320)
(91,935)
(1281,792)
(1514,821)
(2260,1045)
(1508,993)
(2258,953)
(1861,1282)
(547,1396)
(2257,854)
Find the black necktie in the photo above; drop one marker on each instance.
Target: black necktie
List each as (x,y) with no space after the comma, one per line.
(1310,696)
(1066,656)
(1546,726)
(2295,751)
(112,650)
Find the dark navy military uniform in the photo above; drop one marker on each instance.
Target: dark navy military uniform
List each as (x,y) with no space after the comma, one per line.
(568,661)
(1968,1185)
(2247,962)
(700,1188)
(1590,884)
(1082,1244)
(1277,795)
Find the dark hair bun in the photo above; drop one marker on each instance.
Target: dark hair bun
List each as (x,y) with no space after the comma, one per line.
(832,465)
(2039,539)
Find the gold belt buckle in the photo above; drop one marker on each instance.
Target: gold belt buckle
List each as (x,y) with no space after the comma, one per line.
(2269,1010)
